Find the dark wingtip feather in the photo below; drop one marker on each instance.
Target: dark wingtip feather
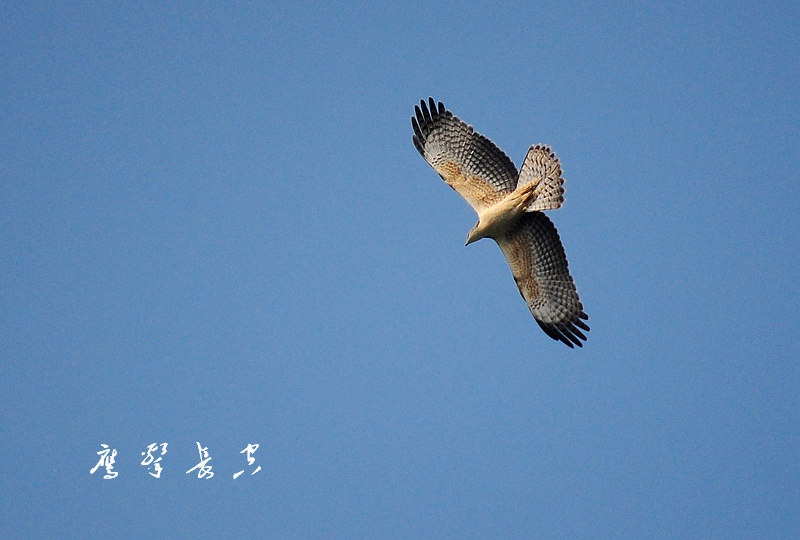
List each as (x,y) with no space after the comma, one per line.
(578,333)
(566,333)
(426,115)
(428,112)
(418,138)
(433,108)
(579,323)
(566,330)
(415,127)
(420,117)
(418,145)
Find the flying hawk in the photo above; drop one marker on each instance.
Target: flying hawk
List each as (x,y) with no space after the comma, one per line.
(509,206)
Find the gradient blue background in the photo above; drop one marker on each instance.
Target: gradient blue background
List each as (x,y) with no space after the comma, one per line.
(215,228)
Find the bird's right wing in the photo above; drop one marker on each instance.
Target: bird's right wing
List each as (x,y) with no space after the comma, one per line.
(539,265)
(469,162)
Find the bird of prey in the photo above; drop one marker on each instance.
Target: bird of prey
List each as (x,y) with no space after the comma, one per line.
(509,205)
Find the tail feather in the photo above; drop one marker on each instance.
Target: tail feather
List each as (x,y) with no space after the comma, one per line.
(542,169)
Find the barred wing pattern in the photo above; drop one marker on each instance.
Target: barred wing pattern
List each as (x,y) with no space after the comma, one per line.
(539,266)
(470,163)
(481,173)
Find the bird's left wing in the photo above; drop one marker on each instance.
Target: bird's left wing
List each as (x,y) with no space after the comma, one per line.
(469,162)
(539,265)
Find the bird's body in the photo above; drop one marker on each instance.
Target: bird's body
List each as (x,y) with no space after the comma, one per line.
(509,205)
(495,221)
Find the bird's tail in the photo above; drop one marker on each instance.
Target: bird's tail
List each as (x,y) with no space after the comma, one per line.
(542,169)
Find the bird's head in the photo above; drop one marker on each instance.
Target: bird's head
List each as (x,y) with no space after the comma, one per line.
(475,234)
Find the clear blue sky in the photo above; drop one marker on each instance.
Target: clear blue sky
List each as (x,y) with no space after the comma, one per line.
(214,227)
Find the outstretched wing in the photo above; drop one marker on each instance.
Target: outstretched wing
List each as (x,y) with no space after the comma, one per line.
(469,162)
(542,169)
(539,265)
